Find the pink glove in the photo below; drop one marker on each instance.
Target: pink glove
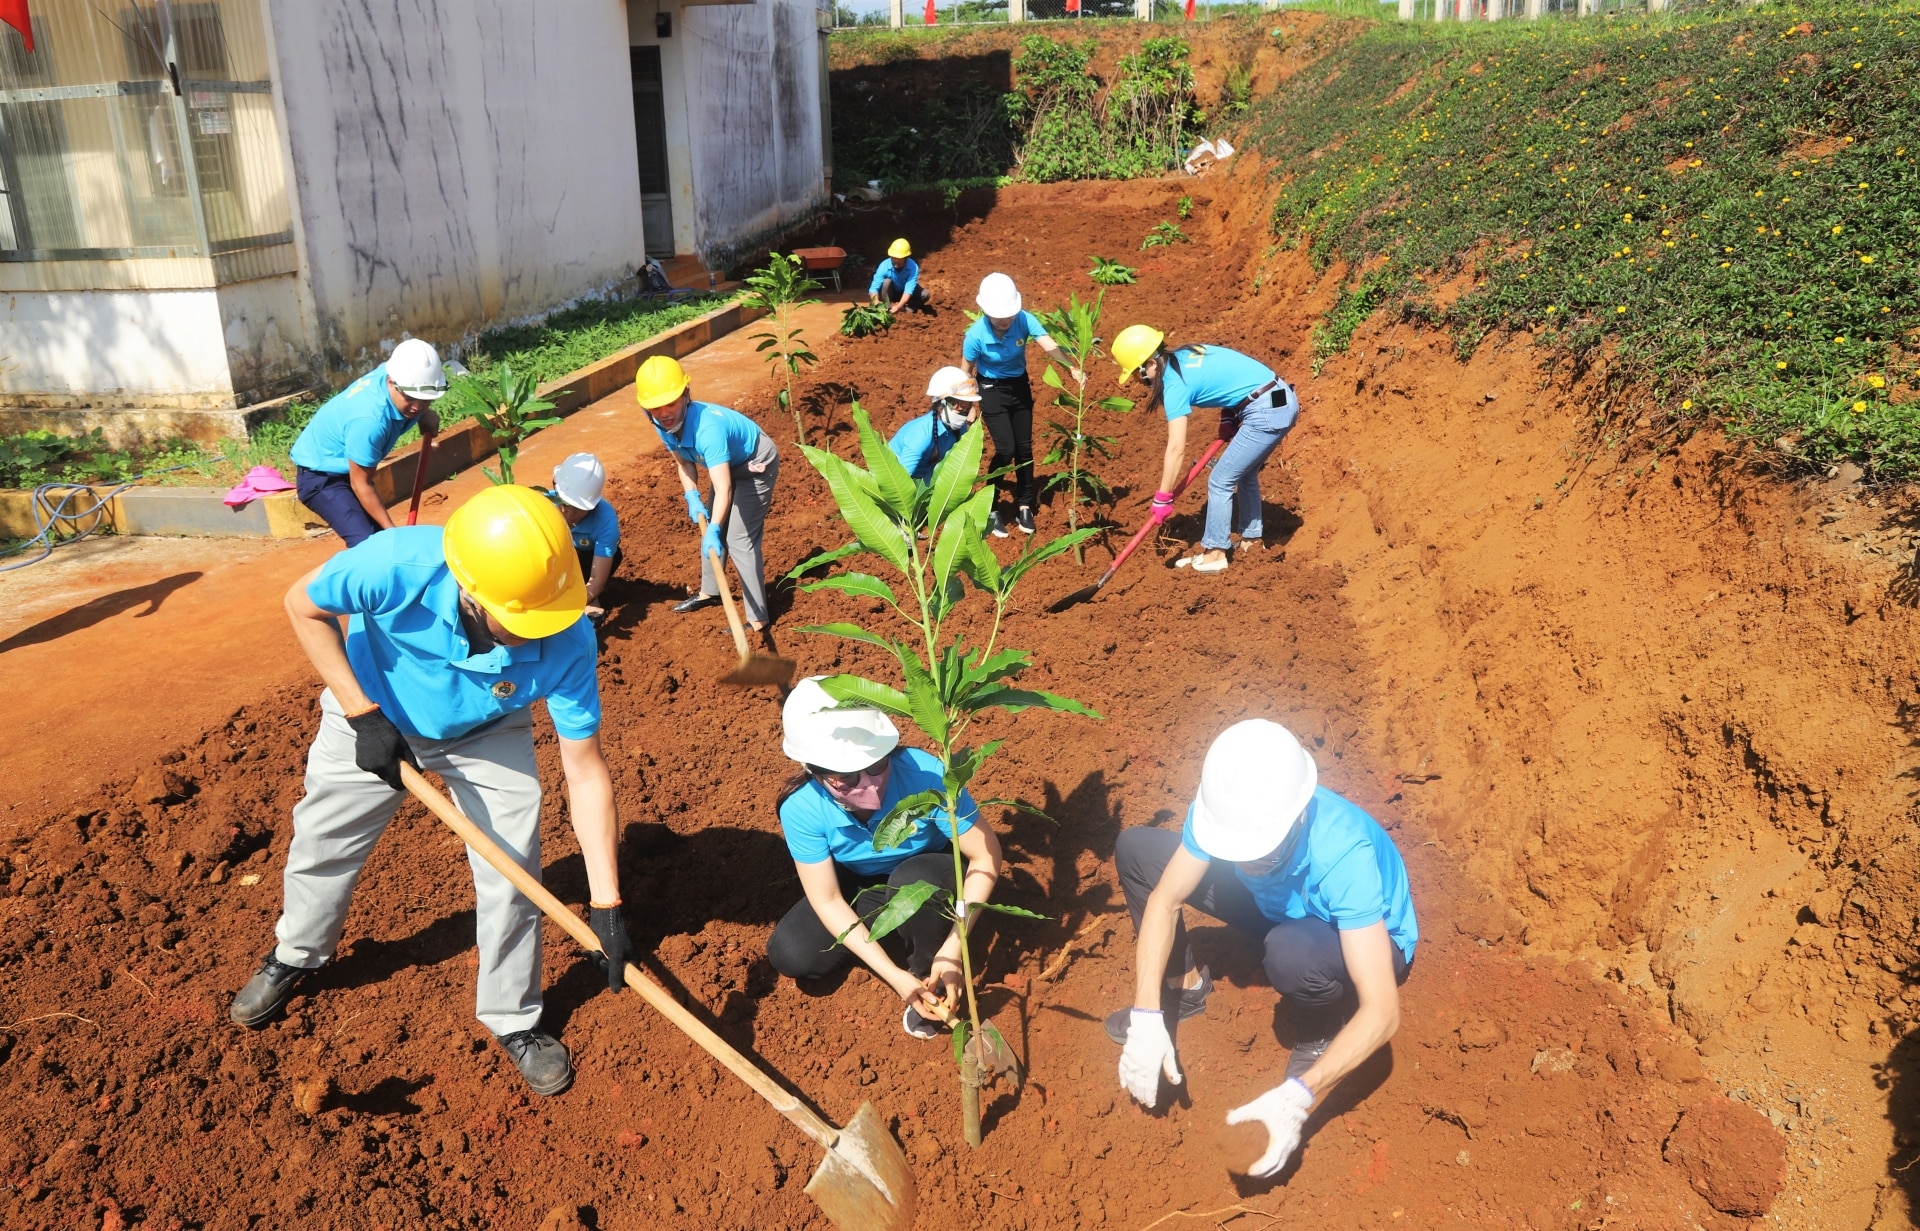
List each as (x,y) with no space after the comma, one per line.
(1162,507)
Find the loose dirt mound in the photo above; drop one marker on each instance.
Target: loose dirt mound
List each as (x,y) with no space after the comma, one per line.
(1524,1089)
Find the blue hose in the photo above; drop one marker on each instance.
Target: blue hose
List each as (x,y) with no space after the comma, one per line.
(50,515)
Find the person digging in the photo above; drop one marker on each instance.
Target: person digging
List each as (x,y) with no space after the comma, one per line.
(337,452)
(994,352)
(451,637)
(896,281)
(579,487)
(1270,853)
(1257,410)
(924,439)
(855,772)
(743,463)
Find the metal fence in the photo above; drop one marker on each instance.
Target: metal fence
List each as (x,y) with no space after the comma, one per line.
(140,130)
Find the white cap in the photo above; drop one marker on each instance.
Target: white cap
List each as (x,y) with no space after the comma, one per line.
(998,296)
(841,740)
(951,382)
(579,480)
(1256,785)
(415,367)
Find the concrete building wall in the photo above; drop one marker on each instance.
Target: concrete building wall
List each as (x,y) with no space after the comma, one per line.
(456,162)
(113,348)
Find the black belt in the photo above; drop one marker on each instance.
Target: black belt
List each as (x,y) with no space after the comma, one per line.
(1237,410)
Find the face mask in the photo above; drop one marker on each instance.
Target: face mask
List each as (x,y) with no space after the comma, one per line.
(863,796)
(954,417)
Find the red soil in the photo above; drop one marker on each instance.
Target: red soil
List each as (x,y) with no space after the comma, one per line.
(1532,1084)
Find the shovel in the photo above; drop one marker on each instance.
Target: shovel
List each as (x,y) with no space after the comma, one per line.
(419,482)
(1086,592)
(754,668)
(863,1184)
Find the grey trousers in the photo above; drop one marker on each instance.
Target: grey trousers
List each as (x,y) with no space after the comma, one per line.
(752,497)
(493,779)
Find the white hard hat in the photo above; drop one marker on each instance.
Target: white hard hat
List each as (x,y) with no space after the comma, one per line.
(951,382)
(998,296)
(841,740)
(415,367)
(1256,784)
(579,480)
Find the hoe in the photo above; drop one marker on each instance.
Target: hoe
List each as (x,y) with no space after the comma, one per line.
(863,1184)
(754,668)
(1086,592)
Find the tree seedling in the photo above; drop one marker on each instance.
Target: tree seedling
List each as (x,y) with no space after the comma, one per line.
(1164,234)
(1110,273)
(1075,328)
(780,288)
(865,319)
(947,683)
(508,402)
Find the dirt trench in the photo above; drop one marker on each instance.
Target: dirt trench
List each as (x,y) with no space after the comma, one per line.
(1639,741)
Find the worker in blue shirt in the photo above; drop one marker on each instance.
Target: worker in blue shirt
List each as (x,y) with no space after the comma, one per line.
(452,636)
(343,444)
(994,353)
(579,487)
(1270,852)
(896,280)
(744,465)
(924,439)
(855,772)
(1257,410)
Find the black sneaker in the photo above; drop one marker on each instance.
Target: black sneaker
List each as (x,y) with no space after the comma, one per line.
(917,1026)
(1306,1053)
(699,602)
(266,993)
(541,1059)
(1191,1002)
(1023,518)
(996,527)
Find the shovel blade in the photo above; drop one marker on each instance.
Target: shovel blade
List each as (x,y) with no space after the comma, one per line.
(864,1183)
(1078,596)
(757,669)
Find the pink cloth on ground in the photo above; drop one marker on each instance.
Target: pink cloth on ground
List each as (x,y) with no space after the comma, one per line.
(260,481)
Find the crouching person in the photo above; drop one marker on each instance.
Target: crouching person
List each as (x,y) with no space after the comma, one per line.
(452,636)
(855,771)
(1268,852)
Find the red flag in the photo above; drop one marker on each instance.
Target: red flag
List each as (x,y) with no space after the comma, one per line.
(1189,10)
(14,13)
(1073,6)
(930,17)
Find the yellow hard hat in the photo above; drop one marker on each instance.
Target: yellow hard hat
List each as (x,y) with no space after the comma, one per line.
(511,550)
(899,249)
(659,381)
(1134,346)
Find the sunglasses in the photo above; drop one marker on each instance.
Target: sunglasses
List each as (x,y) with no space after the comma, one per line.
(845,780)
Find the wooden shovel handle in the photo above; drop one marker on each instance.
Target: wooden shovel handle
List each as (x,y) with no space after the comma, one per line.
(726,597)
(783,1101)
(419,482)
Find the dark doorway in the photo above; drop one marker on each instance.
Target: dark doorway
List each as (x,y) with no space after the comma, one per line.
(650,130)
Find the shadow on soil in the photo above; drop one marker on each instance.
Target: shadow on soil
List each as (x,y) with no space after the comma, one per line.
(87,614)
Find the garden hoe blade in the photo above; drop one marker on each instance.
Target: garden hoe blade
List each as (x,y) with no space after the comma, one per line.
(754,669)
(864,1181)
(863,1184)
(1086,592)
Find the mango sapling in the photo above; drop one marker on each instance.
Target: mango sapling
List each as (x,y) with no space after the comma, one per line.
(947,683)
(1075,328)
(779,289)
(508,402)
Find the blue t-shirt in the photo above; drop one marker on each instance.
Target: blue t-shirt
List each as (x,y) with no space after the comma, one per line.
(818,828)
(597,532)
(921,442)
(712,436)
(410,653)
(1001,356)
(908,268)
(1346,871)
(358,424)
(1209,376)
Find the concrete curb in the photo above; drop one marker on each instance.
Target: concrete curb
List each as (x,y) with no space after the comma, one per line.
(200,511)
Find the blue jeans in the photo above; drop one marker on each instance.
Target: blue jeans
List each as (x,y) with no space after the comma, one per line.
(1233,488)
(333,498)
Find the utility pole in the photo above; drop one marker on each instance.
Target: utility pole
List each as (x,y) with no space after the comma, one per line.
(896,14)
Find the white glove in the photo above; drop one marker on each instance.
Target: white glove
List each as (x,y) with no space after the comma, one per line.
(1147,1055)
(1283,1110)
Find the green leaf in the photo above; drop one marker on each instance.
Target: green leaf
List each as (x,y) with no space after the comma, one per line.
(999,667)
(1014,700)
(961,1029)
(953,478)
(952,547)
(966,764)
(899,823)
(863,691)
(906,903)
(869,522)
(1004,909)
(826,557)
(897,490)
(1029,559)
(1052,377)
(1117,405)
(860,585)
(923,699)
(1018,806)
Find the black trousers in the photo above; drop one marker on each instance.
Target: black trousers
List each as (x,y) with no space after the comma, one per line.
(1007,408)
(332,497)
(586,563)
(801,947)
(916,302)
(1303,959)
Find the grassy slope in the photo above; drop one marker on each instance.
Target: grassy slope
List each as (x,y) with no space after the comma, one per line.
(1729,202)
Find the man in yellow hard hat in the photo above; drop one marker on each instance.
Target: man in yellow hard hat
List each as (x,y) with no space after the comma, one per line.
(896,280)
(452,636)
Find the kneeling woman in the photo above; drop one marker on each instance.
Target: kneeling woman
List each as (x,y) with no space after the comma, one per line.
(855,773)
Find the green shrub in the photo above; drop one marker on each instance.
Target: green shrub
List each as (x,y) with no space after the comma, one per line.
(864,319)
(1110,273)
(1164,234)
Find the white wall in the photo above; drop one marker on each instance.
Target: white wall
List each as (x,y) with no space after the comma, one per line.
(456,162)
(113,348)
